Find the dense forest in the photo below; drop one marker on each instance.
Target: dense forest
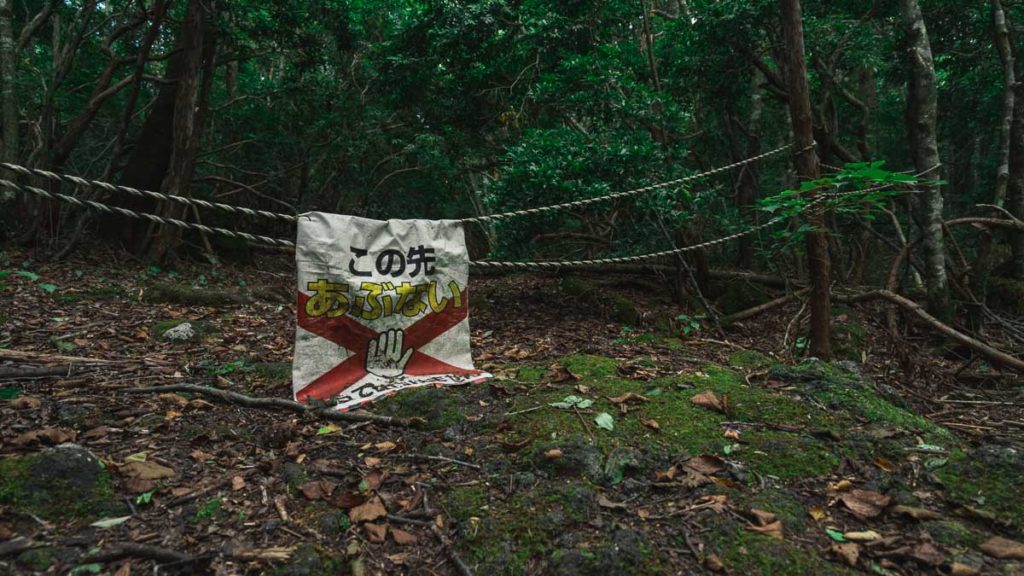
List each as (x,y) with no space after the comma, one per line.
(826,180)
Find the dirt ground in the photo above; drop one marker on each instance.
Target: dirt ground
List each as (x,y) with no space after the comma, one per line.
(598,447)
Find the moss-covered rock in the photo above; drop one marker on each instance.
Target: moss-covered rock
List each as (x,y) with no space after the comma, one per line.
(274,371)
(63,482)
(986,478)
(440,408)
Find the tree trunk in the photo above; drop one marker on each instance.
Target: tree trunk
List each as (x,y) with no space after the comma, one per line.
(746,192)
(807,168)
(1002,42)
(8,99)
(922,104)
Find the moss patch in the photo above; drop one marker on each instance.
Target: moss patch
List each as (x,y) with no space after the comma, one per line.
(439,406)
(745,552)
(57,497)
(987,478)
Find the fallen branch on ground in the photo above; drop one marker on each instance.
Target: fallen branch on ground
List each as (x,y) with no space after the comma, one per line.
(290,405)
(984,350)
(64,370)
(135,550)
(51,359)
(760,308)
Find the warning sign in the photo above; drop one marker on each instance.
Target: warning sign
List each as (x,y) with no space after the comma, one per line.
(382,306)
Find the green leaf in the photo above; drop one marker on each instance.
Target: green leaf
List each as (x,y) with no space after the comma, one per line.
(144,498)
(933,463)
(49,288)
(110,522)
(364,485)
(87,569)
(605,420)
(836,535)
(32,276)
(329,429)
(9,392)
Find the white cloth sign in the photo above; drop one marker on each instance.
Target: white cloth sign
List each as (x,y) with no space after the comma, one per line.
(382,306)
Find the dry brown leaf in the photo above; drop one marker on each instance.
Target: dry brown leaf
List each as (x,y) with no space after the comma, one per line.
(773,530)
(818,513)
(731,434)
(762,517)
(628,397)
(885,464)
(25,403)
(652,424)
(916,513)
(348,500)
(705,464)
(559,373)
(172,414)
(175,399)
(958,569)
(403,538)
(863,536)
(865,503)
(317,489)
(124,570)
(848,551)
(138,486)
(707,399)
(716,502)
(841,486)
(927,553)
(371,462)
(713,563)
(386,446)
(237,483)
(371,510)
(1003,548)
(146,470)
(376,532)
(604,502)
(45,437)
(553,454)
(666,476)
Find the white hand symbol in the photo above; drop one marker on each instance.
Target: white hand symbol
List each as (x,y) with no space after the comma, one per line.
(385,357)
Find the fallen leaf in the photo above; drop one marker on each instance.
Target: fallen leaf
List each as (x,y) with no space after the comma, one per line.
(371,510)
(927,553)
(841,486)
(237,483)
(110,522)
(713,563)
(172,414)
(124,570)
(773,530)
(376,532)
(403,538)
(559,373)
(25,403)
(348,500)
(643,513)
(708,399)
(716,502)
(174,399)
(885,464)
(818,513)
(146,471)
(628,397)
(372,480)
(836,535)
(1003,548)
(317,489)
(865,503)
(848,551)
(667,475)
(328,429)
(705,464)
(916,513)
(45,437)
(605,420)
(604,502)
(762,517)
(371,462)
(958,569)
(731,434)
(553,454)
(137,457)
(864,536)
(652,424)
(385,446)
(138,486)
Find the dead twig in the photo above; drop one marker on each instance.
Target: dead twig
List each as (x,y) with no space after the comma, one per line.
(439,459)
(278,403)
(125,549)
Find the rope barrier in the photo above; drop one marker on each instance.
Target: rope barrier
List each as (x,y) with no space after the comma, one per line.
(633,192)
(144,215)
(67,178)
(108,187)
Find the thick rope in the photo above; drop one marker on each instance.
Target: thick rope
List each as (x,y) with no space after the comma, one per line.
(557,264)
(237,210)
(633,192)
(145,216)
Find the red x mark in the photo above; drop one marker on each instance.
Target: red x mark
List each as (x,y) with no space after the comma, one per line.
(355,337)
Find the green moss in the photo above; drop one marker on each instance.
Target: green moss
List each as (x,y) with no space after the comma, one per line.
(465,502)
(749,360)
(531,373)
(745,552)
(989,482)
(441,407)
(952,533)
(108,292)
(37,559)
(58,500)
(584,366)
(274,371)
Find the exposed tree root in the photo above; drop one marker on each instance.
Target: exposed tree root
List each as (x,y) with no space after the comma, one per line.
(984,350)
(281,403)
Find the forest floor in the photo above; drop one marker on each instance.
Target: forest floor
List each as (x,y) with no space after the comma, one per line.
(723,454)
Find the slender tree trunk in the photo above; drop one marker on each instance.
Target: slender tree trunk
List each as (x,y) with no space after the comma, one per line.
(1002,42)
(747,190)
(922,112)
(807,168)
(8,97)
